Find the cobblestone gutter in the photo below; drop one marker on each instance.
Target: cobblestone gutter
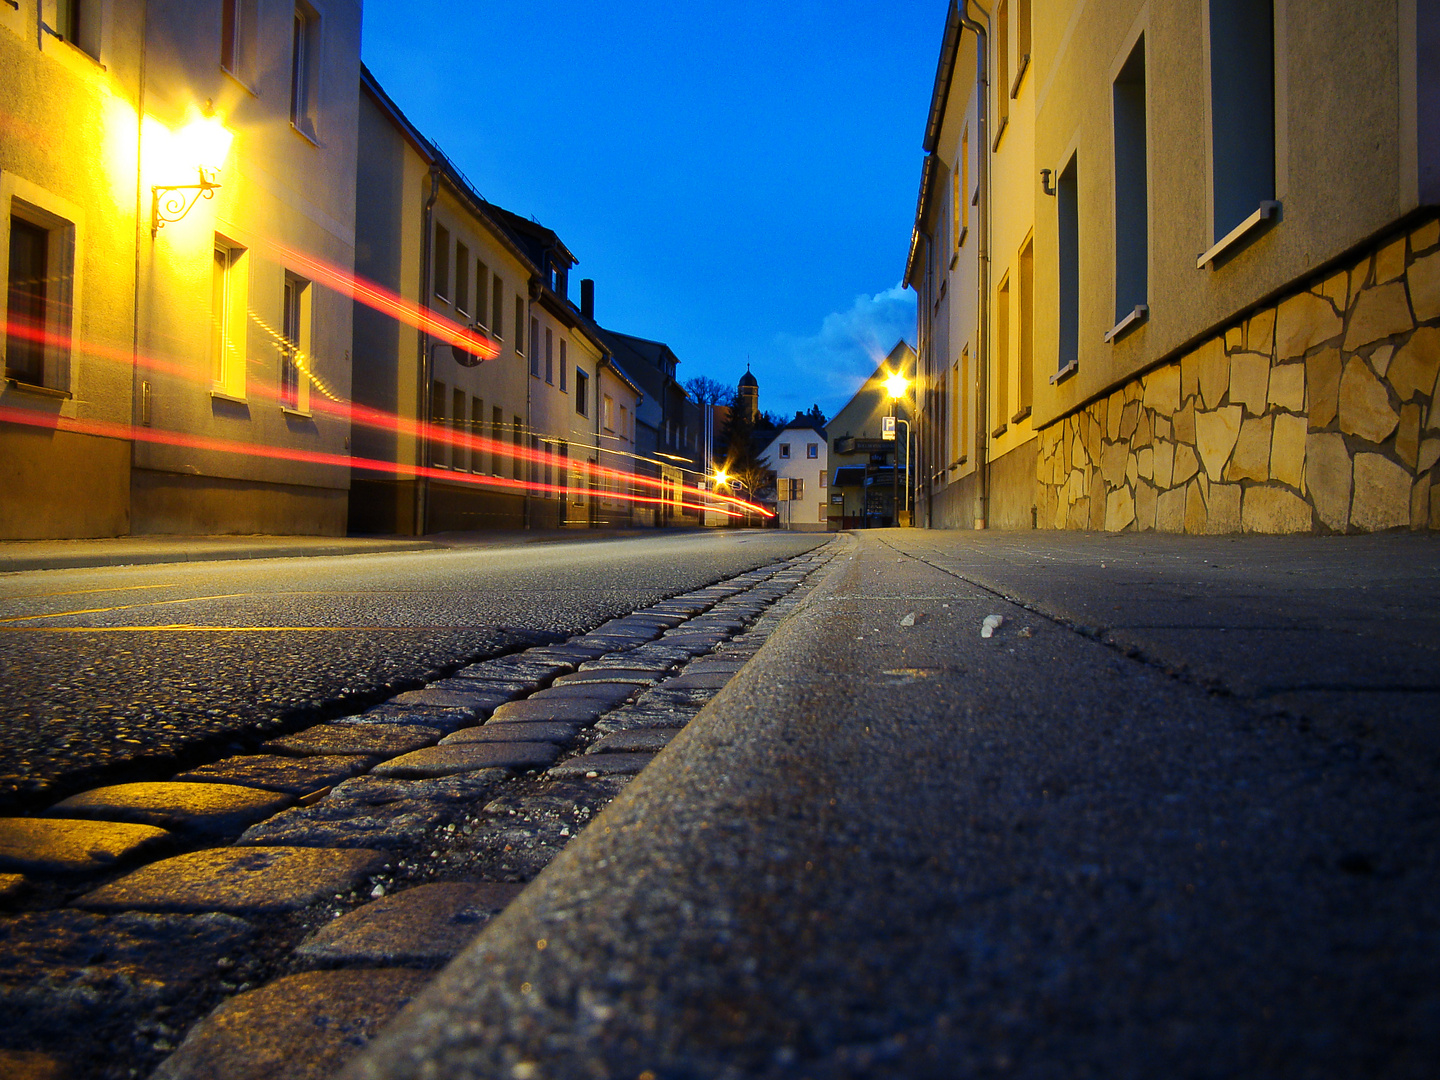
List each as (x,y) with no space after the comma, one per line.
(1317,415)
(265,914)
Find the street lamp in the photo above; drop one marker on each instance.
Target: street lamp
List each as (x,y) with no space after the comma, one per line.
(202,144)
(897,386)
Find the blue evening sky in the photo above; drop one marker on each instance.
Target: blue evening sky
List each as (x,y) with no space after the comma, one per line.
(738,177)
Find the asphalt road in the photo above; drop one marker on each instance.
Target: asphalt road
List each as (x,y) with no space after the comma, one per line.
(125,672)
(1095,844)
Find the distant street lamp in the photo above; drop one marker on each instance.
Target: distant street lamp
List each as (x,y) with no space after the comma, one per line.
(897,386)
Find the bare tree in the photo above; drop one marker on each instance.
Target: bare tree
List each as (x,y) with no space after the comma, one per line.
(707,391)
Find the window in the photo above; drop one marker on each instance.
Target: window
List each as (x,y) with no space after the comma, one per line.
(441,262)
(38,300)
(607,412)
(1026,328)
(458,442)
(520,345)
(812,450)
(1002,68)
(516,428)
(294,353)
(582,392)
(1132,238)
(227,320)
(534,336)
(562,364)
(78,22)
(964,185)
(237,39)
(624,421)
(497,438)
(1022,44)
(956,202)
(497,299)
(824,478)
(481,285)
(962,407)
(1067,202)
(462,279)
(784,450)
(438,455)
(549,355)
(475,434)
(304,69)
(1002,356)
(1242,113)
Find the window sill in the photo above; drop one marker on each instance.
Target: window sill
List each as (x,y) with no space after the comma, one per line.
(955,259)
(964,234)
(1023,414)
(233,399)
(305,128)
(38,390)
(1065,372)
(999,431)
(1000,132)
(1128,323)
(1264,212)
(240,82)
(1021,67)
(301,414)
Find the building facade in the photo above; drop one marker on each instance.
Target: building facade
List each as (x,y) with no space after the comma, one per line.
(867,470)
(799,457)
(171,176)
(1178,267)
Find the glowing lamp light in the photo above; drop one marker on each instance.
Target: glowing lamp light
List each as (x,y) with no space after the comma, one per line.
(896,385)
(202,144)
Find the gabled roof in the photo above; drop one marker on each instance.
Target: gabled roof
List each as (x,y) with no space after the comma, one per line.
(532,236)
(934,124)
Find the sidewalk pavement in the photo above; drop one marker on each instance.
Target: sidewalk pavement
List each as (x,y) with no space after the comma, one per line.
(1175,817)
(20,555)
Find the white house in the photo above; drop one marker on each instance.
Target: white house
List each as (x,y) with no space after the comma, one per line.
(799,458)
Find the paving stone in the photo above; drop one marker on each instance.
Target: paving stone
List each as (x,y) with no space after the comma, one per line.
(698,680)
(624,676)
(301,1027)
(706,666)
(68,972)
(520,667)
(600,765)
(196,809)
(32,1065)
(11,886)
(445,760)
(237,880)
(425,925)
(551,731)
(664,697)
(611,694)
(442,721)
(630,661)
(475,704)
(377,812)
(565,709)
(646,740)
(64,846)
(293,776)
(365,739)
(568,653)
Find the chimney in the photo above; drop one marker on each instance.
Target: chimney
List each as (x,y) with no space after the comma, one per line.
(587,298)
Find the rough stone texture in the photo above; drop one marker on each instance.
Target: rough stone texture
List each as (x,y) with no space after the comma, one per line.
(515,731)
(238,881)
(567,710)
(32,1065)
(475,703)
(1213,372)
(1260,332)
(610,694)
(1429,453)
(1251,458)
(1184,425)
(645,740)
(698,680)
(301,1027)
(379,740)
(1419,504)
(428,924)
(1222,508)
(1390,261)
(67,972)
(623,676)
(1416,363)
(1426,236)
(60,846)
(1380,358)
(588,765)
(293,776)
(1382,494)
(12,885)
(1170,511)
(436,761)
(1328,478)
(1215,435)
(1119,510)
(196,809)
(438,720)
(1145,501)
(1250,382)
(1274,510)
(375,812)
(1381,312)
(1365,408)
(1424,280)
(1186,466)
(1162,389)
(1303,321)
(1287,387)
(1287,450)
(1407,436)
(1322,384)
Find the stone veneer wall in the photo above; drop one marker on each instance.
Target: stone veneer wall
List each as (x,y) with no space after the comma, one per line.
(1316,415)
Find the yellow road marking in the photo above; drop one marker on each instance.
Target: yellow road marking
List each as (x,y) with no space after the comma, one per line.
(86,592)
(119,607)
(217,629)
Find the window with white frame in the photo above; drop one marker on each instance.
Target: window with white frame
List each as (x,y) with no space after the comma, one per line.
(784,450)
(304,69)
(607,412)
(295,349)
(238,25)
(462,279)
(440,263)
(39,296)
(812,450)
(78,22)
(1242,111)
(227,319)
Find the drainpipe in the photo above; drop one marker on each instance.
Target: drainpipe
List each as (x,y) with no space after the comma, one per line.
(422,441)
(982,286)
(532,465)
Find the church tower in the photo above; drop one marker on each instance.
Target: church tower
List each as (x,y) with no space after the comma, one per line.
(747,397)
